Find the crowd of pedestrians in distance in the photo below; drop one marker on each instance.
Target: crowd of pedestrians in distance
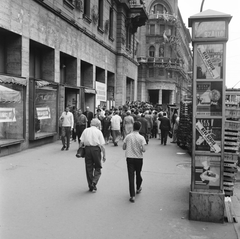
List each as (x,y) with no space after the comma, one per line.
(135,123)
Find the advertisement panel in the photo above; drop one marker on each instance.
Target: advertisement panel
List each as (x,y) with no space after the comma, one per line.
(207,172)
(213,29)
(210,61)
(208,135)
(209,98)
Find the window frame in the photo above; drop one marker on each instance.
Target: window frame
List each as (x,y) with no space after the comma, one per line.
(150,51)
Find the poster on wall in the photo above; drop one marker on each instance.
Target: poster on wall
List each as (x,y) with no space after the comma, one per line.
(7,115)
(101,93)
(207,172)
(210,61)
(208,135)
(209,98)
(43,113)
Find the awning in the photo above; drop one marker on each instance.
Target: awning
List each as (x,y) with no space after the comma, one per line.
(42,83)
(13,80)
(90,91)
(9,95)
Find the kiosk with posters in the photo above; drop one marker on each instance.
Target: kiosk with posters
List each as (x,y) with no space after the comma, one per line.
(209,36)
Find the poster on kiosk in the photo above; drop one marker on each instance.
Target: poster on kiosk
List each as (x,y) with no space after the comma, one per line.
(209,37)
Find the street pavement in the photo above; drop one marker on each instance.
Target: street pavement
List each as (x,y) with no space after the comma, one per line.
(44,195)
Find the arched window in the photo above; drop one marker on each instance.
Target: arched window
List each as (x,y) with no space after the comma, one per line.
(159,8)
(152,51)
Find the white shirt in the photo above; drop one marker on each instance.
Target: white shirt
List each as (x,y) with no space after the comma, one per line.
(116,122)
(92,136)
(67,119)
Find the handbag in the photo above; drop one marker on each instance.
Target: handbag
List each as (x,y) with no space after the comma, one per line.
(81,152)
(170,134)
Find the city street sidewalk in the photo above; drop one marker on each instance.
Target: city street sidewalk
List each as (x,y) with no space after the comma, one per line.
(44,194)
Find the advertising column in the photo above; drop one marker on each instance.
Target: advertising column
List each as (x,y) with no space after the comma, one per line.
(209,36)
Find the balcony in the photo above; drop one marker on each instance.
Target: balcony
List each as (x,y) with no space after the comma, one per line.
(166,17)
(137,13)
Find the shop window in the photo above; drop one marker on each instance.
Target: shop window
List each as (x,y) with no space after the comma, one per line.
(12,121)
(152,51)
(43,102)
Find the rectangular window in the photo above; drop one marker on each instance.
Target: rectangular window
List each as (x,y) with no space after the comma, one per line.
(111,23)
(152,29)
(151,72)
(162,29)
(86,9)
(128,37)
(161,72)
(43,103)
(100,14)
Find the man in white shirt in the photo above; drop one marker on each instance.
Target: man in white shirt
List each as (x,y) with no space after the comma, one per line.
(67,127)
(116,121)
(92,139)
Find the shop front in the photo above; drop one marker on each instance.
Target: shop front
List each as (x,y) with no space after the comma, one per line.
(43,110)
(12,113)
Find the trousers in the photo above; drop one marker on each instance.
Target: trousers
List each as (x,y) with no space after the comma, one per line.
(134,165)
(93,164)
(66,133)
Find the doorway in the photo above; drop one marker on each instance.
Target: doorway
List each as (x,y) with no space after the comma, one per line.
(153,96)
(166,96)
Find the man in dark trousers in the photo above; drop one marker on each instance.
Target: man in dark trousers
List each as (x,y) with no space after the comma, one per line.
(165,127)
(134,144)
(92,139)
(89,115)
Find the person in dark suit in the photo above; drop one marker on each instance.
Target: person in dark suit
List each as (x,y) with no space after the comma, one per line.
(165,127)
(89,115)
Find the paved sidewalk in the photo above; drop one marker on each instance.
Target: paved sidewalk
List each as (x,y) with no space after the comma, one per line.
(44,195)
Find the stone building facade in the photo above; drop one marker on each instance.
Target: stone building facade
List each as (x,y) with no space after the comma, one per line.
(164,56)
(55,53)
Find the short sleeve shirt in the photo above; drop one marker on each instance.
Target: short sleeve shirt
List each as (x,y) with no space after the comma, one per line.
(134,142)
(92,137)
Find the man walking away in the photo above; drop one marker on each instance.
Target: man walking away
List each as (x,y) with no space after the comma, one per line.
(116,121)
(92,139)
(165,127)
(67,127)
(134,144)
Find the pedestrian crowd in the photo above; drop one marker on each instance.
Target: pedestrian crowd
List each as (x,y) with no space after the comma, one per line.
(135,123)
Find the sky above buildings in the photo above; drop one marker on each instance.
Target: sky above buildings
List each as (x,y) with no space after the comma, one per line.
(191,7)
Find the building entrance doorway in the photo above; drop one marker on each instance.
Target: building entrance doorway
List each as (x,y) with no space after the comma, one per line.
(153,96)
(166,94)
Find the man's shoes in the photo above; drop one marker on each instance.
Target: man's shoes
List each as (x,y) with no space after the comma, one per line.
(94,188)
(139,190)
(63,147)
(132,199)
(173,142)
(115,144)
(165,144)
(67,148)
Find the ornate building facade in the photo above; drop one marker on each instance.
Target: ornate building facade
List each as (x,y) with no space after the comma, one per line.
(164,56)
